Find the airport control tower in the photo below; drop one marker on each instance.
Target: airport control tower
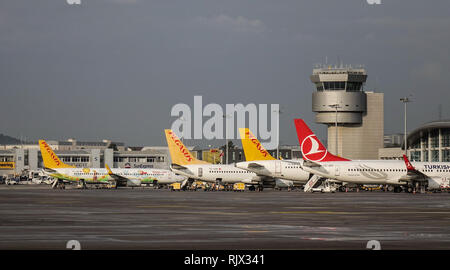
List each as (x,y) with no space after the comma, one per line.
(355,118)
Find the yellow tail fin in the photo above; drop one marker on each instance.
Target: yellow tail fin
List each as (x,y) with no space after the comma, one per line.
(178,152)
(253,149)
(49,157)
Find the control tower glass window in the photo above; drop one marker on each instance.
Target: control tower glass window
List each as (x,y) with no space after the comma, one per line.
(334,85)
(319,86)
(354,86)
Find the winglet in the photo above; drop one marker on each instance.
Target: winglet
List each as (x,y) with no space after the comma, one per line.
(108,169)
(408,164)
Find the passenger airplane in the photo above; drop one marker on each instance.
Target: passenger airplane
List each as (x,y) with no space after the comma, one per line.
(259,161)
(434,175)
(184,163)
(55,168)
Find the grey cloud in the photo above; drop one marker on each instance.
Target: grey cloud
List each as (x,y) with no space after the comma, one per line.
(236,24)
(429,71)
(123,1)
(114,68)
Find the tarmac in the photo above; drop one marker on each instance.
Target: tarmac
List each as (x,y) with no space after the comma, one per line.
(37,217)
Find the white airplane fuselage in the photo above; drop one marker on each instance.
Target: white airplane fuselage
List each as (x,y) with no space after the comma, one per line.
(392,172)
(227,174)
(285,169)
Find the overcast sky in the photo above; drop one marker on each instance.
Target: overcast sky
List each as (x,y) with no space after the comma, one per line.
(114,68)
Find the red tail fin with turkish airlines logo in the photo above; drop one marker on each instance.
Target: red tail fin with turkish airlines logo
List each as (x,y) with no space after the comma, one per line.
(311,147)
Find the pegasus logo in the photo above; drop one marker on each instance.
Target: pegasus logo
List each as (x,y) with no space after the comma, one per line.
(180,145)
(50,152)
(256,143)
(311,149)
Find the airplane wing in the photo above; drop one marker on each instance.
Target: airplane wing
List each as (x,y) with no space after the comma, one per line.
(120,180)
(182,168)
(261,180)
(255,165)
(293,162)
(48,170)
(51,172)
(309,163)
(413,175)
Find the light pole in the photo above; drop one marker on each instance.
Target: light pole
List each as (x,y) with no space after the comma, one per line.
(225,116)
(336,106)
(278,133)
(405,100)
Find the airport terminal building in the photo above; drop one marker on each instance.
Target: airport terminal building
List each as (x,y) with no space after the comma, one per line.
(14,159)
(430,142)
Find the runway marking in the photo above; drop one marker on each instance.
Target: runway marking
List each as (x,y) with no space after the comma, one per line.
(59,202)
(356,213)
(216,213)
(313,212)
(161,206)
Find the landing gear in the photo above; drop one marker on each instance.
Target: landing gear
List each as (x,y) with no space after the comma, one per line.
(58,184)
(419,187)
(397,189)
(83,184)
(218,185)
(252,188)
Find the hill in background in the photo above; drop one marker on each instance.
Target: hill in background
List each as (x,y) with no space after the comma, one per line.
(4,139)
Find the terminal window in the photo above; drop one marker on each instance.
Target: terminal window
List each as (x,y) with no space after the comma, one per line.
(415,156)
(6,159)
(435,155)
(434,137)
(119,159)
(446,155)
(425,141)
(445,138)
